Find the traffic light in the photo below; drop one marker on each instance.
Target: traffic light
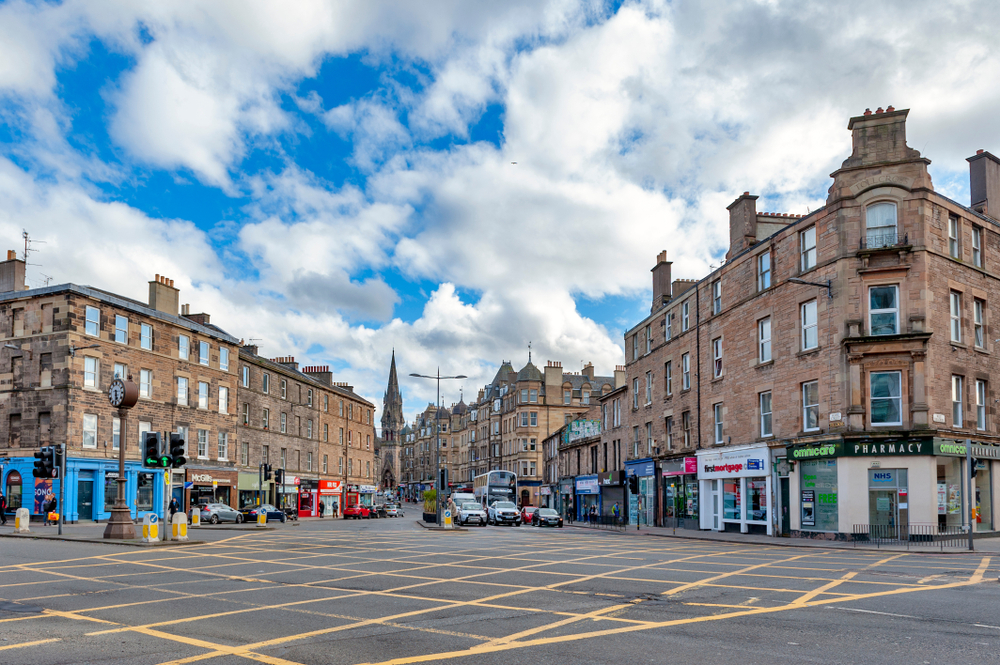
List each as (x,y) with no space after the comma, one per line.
(442,479)
(177,450)
(267,472)
(633,484)
(279,476)
(152,454)
(44,463)
(57,460)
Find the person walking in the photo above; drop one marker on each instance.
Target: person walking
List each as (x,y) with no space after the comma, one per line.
(3,509)
(617,512)
(174,507)
(49,506)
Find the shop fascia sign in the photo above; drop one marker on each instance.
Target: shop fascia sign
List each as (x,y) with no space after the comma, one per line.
(588,485)
(951,448)
(817,451)
(679,467)
(206,478)
(736,464)
(645,468)
(887,448)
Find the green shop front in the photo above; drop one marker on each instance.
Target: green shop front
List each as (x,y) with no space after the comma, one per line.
(840,487)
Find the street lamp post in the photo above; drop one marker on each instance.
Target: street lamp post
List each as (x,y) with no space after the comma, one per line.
(437,432)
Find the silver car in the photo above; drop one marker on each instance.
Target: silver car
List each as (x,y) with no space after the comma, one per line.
(471,513)
(220,512)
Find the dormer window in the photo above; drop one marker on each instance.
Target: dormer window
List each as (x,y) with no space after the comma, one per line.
(880,222)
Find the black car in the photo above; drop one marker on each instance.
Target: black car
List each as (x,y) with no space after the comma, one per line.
(546,517)
(273,514)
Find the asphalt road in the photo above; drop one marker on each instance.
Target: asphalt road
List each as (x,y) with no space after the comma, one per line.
(388,591)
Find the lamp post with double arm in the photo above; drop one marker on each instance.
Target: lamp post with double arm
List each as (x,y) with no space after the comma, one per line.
(437,430)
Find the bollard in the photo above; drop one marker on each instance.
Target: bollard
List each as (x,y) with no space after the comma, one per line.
(195,517)
(21,519)
(150,528)
(180,526)
(262,518)
(447,519)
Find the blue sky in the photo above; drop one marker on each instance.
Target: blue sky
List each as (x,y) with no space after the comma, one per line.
(338,180)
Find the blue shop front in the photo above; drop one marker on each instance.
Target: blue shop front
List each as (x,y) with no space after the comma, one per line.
(91,488)
(588,493)
(641,507)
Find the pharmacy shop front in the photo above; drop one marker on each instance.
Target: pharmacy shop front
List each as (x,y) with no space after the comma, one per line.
(736,489)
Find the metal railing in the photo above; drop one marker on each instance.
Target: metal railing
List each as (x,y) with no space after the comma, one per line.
(917,535)
(608,522)
(878,238)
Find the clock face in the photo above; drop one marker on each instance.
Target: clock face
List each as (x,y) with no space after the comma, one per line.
(116,393)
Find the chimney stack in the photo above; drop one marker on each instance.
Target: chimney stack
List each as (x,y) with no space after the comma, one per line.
(12,273)
(984,183)
(879,138)
(661,281)
(742,224)
(163,297)
(588,369)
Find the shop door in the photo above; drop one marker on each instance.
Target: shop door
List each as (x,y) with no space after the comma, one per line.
(716,501)
(786,515)
(883,512)
(85,500)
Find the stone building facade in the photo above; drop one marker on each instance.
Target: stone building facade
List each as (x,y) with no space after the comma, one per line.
(63,346)
(320,432)
(815,383)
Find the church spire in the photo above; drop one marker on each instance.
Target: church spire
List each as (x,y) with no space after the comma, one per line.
(392,406)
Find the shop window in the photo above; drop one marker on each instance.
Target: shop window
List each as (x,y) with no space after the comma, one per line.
(110,490)
(13,491)
(887,498)
(883,310)
(144,492)
(819,495)
(886,398)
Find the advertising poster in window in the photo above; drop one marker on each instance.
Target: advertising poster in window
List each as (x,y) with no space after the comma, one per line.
(43,486)
(820,478)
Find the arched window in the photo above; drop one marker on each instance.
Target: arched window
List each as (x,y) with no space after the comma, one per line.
(13,490)
(880,220)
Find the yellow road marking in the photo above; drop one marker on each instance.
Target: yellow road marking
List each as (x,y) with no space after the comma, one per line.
(981,571)
(30,644)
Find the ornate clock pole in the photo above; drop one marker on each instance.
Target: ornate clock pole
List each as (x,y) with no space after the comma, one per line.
(123,395)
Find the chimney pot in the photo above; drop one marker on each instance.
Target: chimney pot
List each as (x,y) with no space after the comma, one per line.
(879,110)
(978,152)
(746,193)
(868,112)
(889,109)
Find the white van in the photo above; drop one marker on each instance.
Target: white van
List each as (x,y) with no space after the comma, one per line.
(462,497)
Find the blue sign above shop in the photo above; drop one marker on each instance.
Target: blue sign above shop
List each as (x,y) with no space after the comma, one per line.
(639,468)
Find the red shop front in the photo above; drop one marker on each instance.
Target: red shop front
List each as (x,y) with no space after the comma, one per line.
(329,497)
(308,497)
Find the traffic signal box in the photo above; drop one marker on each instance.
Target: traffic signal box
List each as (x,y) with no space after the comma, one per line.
(633,484)
(178,450)
(279,476)
(48,461)
(155,457)
(267,472)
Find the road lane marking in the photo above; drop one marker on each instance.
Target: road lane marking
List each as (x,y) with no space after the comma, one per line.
(30,644)
(981,571)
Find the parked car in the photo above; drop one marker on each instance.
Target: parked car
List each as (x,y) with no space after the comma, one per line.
(526,513)
(357,512)
(250,513)
(220,512)
(471,513)
(503,512)
(546,517)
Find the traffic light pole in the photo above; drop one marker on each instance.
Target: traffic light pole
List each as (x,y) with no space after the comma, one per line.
(120,526)
(62,486)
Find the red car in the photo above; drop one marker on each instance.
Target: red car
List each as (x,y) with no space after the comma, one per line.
(357,511)
(526,514)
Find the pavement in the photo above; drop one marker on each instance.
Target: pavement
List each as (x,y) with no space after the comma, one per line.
(390,592)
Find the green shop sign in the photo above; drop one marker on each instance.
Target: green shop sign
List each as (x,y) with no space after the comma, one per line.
(950,448)
(817,450)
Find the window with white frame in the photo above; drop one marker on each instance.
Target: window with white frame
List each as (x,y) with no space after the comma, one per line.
(686,427)
(977,246)
(284,390)
(668,321)
(880,220)
(685,315)
(717,357)
(717,296)
(223,358)
(717,409)
(309,397)
(534,418)
(309,461)
(284,423)
(956,316)
(90,372)
(807,249)
(953,246)
(635,346)
(146,336)
(524,396)
(202,395)
(764,271)
(145,383)
(649,338)
(886,398)
(121,329)
(182,391)
(223,399)
(810,328)
(224,446)
(203,353)
(810,406)
(585,396)
(649,438)
(93,322)
(977,322)
(764,340)
(245,454)
(883,310)
(265,385)
(245,414)
(567,397)
(265,418)
(245,376)
(203,444)
(668,428)
(121,371)
(326,463)
(89,430)
(309,428)
(635,393)
(668,377)
(765,414)
(326,432)
(635,441)
(957,417)
(980,404)
(183,347)
(533,396)
(686,371)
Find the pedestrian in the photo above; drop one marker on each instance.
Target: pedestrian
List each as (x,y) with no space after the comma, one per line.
(50,505)
(175,507)
(617,512)
(3,509)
